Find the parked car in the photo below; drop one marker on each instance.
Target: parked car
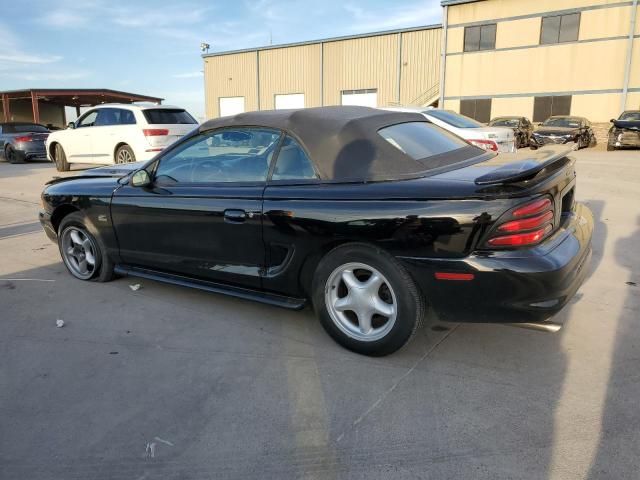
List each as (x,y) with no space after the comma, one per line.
(370,215)
(495,139)
(625,131)
(114,133)
(563,129)
(521,126)
(22,141)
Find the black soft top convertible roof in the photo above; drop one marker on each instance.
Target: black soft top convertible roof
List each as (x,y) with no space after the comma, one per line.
(342,141)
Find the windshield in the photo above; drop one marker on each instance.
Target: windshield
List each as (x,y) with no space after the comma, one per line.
(159,116)
(504,122)
(564,122)
(454,119)
(630,116)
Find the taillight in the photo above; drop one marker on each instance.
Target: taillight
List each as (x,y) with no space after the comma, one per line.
(155,132)
(485,144)
(24,138)
(526,225)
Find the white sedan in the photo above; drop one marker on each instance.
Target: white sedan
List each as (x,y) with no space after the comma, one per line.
(495,139)
(118,133)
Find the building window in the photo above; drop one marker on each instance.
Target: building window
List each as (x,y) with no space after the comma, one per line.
(231,105)
(289,100)
(545,107)
(478,109)
(364,98)
(559,29)
(482,37)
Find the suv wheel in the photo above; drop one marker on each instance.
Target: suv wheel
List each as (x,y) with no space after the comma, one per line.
(124,154)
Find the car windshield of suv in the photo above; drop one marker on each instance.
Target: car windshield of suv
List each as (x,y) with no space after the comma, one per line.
(454,119)
(630,117)
(505,122)
(562,122)
(30,127)
(159,116)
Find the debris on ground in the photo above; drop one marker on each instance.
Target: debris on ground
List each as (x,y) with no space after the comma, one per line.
(135,287)
(59,323)
(631,284)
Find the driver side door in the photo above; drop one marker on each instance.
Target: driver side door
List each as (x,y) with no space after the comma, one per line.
(202,214)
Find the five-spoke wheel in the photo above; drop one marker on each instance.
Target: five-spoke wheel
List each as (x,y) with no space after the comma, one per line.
(79,253)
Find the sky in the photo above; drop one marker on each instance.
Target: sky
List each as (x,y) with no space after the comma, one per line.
(153,47)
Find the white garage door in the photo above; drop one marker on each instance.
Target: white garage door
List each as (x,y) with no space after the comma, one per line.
(364,98)
(290,100)
(231,106)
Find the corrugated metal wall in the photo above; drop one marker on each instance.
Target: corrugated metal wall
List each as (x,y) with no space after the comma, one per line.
(402,66)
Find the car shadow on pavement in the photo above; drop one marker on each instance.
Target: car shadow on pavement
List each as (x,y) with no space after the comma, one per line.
(618,448)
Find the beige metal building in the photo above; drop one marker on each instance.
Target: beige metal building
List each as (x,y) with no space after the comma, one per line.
(541,57)
(399,67)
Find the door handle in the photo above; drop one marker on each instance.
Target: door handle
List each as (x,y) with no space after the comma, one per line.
(234,216)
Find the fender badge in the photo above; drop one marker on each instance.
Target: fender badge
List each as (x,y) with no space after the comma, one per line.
(102,218)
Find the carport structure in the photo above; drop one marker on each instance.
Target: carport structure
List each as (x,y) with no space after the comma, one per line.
(56,99)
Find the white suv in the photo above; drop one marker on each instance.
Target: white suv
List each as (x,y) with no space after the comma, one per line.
(118,133)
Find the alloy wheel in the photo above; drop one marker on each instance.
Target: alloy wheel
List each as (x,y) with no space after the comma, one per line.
(124,156)
(79,253)
(361,301)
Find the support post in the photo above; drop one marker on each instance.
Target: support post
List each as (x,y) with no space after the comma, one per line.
(443,59)
(34,106)
(5,107)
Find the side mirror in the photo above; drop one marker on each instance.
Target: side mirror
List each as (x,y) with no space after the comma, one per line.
(141,179)
(612,120)
(71,125)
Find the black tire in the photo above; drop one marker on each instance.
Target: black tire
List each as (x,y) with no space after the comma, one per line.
(12,156)
(124,154)
(533,147)
(103,270)
(409,302)
(610,148)
(61,159)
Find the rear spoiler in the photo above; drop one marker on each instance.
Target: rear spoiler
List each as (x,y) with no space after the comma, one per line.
(524,167)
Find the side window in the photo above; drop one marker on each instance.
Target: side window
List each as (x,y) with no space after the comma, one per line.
(88,120)
(293,163)
(107,117)
(127,117)
(481,37)
(228,155)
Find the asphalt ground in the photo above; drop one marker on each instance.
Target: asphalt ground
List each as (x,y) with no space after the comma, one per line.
(172,383)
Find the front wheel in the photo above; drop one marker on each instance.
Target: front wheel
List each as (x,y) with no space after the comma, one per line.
(366,300)
(61,159)
(83,253)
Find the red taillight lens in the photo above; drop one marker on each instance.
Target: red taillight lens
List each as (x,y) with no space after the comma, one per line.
(155,132)
(24,138)
(526,223)
(485,144)
(520,239)
(533,208)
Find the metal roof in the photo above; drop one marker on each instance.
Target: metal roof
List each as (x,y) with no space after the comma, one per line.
(80,96)
(324,40)
(448,3)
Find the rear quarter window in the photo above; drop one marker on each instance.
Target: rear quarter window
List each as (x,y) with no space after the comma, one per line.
(158,116)
(421,140)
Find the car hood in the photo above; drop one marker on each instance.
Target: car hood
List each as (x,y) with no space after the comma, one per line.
(557,131)
(627,125)
(113,171)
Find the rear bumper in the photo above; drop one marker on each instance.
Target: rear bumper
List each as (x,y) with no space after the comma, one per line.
(511,286)
(626,139)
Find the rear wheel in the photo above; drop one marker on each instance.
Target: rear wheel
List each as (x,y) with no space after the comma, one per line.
(12,156)
(366,300)
(124,154)
(61,159)
(83,253)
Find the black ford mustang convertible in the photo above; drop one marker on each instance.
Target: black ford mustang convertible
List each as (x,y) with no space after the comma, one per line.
(372,216)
